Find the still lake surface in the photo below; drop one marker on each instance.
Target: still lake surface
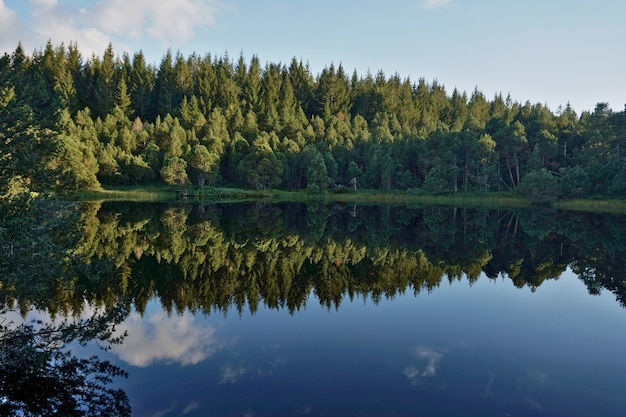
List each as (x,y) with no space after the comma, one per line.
(261,310)
(485,349)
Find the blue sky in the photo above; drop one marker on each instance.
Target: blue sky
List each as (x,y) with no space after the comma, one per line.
(546,51)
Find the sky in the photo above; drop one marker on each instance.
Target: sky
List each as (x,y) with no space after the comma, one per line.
(551,52)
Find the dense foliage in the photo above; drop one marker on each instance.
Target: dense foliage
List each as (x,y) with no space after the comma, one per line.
(71,123)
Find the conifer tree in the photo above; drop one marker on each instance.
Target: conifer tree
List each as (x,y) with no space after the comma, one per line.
(142,84)
(122,98)
(317,174)
(251,87)
(205,85)
(105,82)
(165,86)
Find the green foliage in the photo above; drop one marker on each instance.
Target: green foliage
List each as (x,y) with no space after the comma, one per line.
(203,162)
(400,134)
(437,181)
(174,172)
(575,182)
(540,186)
(261,168)
(317,175)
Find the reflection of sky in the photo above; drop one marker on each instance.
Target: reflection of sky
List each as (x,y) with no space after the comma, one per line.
(500,349)
(428,367)
(154,338)
(157,337)
(231,374)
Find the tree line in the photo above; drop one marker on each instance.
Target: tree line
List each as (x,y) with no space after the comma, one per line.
(69,123)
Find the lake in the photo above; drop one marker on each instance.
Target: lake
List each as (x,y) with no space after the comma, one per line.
(342,310)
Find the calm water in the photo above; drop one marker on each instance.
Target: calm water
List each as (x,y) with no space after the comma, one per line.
(263,311)
(485,349)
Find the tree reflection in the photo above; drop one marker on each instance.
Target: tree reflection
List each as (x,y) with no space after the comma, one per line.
(39,376)
(40,268)
(215,258)
(218,257)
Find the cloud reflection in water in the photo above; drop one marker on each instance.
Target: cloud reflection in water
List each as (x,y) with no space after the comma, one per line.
(231,374)
(430,359)
(172,340)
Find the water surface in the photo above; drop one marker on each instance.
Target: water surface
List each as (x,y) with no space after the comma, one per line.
(335,310)
(483,349)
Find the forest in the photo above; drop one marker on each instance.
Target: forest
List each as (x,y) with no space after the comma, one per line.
(69,122)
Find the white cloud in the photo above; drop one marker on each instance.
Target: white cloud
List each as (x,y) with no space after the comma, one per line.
(429,365)
(434,4)
(232,374)
(164,21)
(10,28)
(191,407)
(159,338)
(94,25)
(50,20)
(44,3)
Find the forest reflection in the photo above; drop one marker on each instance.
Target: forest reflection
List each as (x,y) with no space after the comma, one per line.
(219,257)
(70,259)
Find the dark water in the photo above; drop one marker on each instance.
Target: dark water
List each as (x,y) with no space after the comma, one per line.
(261,310)
(485,349)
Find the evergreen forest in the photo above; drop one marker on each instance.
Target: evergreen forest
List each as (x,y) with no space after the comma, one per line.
(69,122)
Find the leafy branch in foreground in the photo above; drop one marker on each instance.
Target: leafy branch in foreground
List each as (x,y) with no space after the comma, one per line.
(39,376)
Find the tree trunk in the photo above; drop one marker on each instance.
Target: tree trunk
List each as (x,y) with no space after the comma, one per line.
(508,165)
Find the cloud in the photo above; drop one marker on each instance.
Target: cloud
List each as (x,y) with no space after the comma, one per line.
(232,374)
(51,20)
(435,4)
(9,27)
(94,25)
(163,21)
(429,365)
(191,407)
(172,340)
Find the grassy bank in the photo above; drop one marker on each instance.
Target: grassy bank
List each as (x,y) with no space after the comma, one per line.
(225,194)
(501,200)
(367,197)
(592,205)
(165,194)
(139,194)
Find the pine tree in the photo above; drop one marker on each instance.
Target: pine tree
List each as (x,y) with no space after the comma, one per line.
(205,85)
(122,99)
(251,87)
(332,95)
(105,82)
(142,85)
(317,174)
(165,86)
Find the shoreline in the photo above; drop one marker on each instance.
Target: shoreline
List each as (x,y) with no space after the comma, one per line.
(225,195)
